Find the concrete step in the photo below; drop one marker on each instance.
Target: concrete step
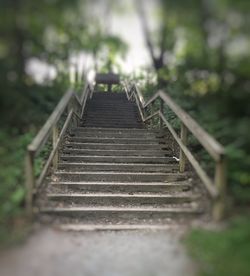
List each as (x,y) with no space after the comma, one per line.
(125,187)
(109,115)
(118,176)
(114,120)
(122,130)
(119,215)
(109,140)
(118,227)
(118,159)
(118,125)
(105,102)
(111,109)
(122,187)
(109,146)
(115,134)
(122,167)
(115,199)
(124,113)
(106,105)
(108,152)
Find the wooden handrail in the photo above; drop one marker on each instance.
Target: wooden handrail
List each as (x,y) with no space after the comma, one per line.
(216,188)
(209,143)
(215,149)
(43,134)
(70,103)
(55,148)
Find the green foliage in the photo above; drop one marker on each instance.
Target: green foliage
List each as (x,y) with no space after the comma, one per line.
(53,33)
(209,78)
(15,135)
(223,252)
(114,47)
(12,191)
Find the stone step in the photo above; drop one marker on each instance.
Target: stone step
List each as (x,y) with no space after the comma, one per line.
(122,167)
(118,176)
(119,215)
(109,146)
(116,140)
(123,130)
(105,102)
(115,199)
(124,113)
(118,227)
(110,115)
(122,187)
(114,95)
(115,134)
(113,105)
(114,120)
(113,111)
(118,125)
(108,152)
(118,159)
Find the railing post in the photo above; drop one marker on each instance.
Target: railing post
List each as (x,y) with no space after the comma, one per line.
(30,181)
(219,204)
(76,76)
(91,91)
(55,136)
(182,157)
(151,113)
(109,88)
(161,110)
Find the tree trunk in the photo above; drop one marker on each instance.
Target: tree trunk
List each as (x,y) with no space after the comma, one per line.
(157,61)
(18,42)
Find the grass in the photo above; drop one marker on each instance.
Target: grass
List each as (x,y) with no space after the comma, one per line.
(222,253)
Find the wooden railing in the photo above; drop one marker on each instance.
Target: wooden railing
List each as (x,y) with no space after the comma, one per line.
(217,186)
(71,106)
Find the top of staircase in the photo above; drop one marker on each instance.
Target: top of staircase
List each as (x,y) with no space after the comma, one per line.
(111,110)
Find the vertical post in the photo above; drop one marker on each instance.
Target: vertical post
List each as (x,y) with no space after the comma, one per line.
(90,91)
(184,141)
(76,77)
(151,113)
(219,204)
(97,87)
(109,88)
(30,181)
(161,110)
(54,141)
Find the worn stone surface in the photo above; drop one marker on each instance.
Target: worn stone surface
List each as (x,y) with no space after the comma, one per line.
(50,252)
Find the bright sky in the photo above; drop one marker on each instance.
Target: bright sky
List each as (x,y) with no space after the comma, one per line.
(128,27)
(126,24)
(123,24)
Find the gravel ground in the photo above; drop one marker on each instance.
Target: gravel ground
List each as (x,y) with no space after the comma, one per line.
(50,252)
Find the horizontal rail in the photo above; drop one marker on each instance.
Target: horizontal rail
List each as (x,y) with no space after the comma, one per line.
(43,134)
(140,96)
(209,143)
(53,152)
(202,174)
(88,91)
(74,106)
(151,116)
(216,187)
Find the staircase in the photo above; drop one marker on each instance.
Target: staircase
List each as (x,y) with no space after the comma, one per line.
(115,174)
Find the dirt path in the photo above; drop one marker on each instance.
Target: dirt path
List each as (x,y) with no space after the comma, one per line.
(51,252)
